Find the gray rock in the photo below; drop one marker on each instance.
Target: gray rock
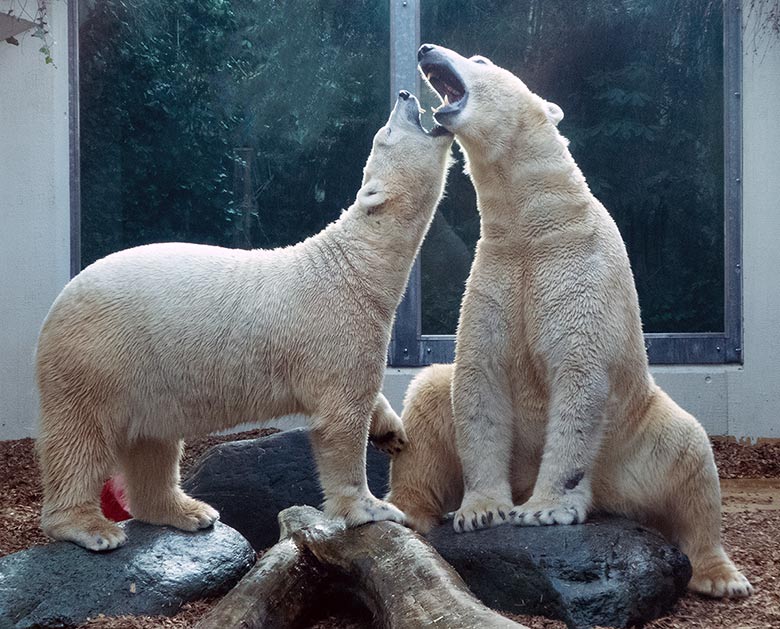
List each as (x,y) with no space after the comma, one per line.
(609,571)
(250,482)
(159,569)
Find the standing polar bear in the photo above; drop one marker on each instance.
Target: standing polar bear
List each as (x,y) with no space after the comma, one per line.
(549,405)
(157,343)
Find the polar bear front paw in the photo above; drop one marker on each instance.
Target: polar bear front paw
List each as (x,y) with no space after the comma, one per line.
(568,509)
(363,509)
(721,580)
(85,527)
(480,512)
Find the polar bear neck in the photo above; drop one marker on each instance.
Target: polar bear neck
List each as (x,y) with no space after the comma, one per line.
(527,187)
(358,255)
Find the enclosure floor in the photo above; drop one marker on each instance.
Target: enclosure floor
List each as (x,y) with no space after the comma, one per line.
(750,494)
(751,525)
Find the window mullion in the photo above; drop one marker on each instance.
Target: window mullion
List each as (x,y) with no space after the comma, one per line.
(404,42)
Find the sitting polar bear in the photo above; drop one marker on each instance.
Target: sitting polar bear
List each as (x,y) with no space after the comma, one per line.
(550,404)
(165,341)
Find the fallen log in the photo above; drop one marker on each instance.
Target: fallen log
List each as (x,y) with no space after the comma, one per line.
(400,578)
(271,595)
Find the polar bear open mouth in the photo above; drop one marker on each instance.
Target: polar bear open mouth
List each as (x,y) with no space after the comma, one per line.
(414,113)
(448,84)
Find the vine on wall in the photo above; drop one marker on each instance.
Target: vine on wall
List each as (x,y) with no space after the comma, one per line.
(36,13)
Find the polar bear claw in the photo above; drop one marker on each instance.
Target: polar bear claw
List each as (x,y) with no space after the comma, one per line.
(540,512)
(480,512)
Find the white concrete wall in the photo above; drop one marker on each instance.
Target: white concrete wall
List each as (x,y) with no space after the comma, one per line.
(754,392)
(34,241)
(34,209)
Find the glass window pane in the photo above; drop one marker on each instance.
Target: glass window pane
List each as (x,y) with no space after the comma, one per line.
(226,122)
(641,84)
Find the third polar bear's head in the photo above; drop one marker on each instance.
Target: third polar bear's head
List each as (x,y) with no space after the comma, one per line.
(406,169)
(482,103)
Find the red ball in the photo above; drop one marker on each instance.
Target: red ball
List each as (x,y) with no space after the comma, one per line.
(113,501)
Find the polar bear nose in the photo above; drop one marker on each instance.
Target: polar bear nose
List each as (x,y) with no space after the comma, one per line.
(404,95)
(425,48)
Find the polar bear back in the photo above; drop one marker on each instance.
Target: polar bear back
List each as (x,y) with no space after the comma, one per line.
(170,329)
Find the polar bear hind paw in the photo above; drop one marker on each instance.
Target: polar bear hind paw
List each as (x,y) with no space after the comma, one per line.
(540,512)
(185,513)
(93,533)
(480,513)
(721,581)
(194,515)
(106,537)
(391,442)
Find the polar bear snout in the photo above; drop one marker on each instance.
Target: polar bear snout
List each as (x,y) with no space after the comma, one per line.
(407,108)
(424,50)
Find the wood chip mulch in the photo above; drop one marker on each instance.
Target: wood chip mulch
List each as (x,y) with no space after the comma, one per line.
(742,460)
(751,536)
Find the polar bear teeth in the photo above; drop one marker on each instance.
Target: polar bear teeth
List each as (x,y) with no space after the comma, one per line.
(447,84)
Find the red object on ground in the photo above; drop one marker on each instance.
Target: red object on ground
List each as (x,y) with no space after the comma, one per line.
(113,501)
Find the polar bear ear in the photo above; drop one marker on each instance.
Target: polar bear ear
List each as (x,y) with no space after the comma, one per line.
(371,197)
(554,113)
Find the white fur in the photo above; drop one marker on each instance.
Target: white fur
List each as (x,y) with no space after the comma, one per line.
(553,407)
(158,343)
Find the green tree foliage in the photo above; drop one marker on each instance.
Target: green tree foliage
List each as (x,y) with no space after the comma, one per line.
(171,90)
(641,84)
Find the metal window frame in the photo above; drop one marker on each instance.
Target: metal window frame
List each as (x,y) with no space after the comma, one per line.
(411,348)
(74,136)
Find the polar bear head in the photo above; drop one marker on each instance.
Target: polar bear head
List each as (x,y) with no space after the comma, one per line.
(484,105)
(406,169)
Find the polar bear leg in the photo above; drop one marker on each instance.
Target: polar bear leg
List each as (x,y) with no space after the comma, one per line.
(151,469)
(687,511)
(694,506)
(425,478)
(665,476)
(338,439)
(698,532)
(387,431)
(75,462)
(562,493)
(483,420)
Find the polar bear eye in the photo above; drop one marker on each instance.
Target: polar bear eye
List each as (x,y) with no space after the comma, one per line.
(481,60)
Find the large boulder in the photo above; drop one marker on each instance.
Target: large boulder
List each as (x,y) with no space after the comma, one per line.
(250,482)
(609,571)
(159,569)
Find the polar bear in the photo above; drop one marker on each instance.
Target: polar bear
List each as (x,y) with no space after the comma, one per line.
(552,407)
(161,342)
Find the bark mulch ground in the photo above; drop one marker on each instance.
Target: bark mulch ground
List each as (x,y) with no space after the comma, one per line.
(751,536)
